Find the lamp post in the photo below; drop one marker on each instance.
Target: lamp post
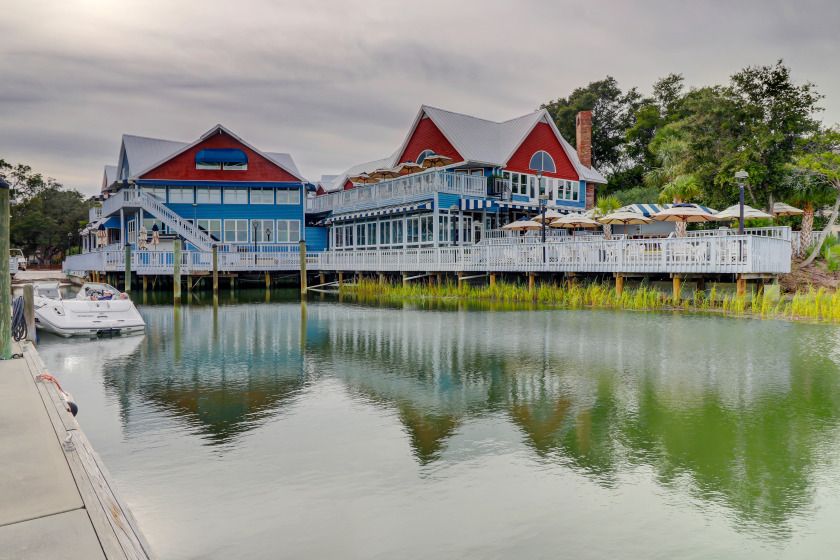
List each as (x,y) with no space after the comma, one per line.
(543,201)
(69,242)
(741,177)
(195,215)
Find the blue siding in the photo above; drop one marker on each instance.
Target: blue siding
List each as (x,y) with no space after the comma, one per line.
(316,238)
(286,184)
(445,201)
(239,211)
(520,198)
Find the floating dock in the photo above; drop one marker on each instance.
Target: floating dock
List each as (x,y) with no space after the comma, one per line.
(58,499)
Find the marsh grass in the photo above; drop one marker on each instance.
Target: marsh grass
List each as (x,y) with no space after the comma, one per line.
(814,305)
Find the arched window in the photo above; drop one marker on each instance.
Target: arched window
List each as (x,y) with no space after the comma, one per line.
(423,155)
(541,161)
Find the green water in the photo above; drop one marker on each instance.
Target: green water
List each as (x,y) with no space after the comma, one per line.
(257,429)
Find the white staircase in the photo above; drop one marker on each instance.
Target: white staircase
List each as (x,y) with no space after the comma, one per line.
(150,204)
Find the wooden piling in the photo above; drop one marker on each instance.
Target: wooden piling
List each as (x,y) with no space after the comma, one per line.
(127,268)
(492,279)
(701,284)
(460,281)
(531,276)
(619,284)
(381,279)
(323,278)
(741,284)
(145,283)
(303,268)
(267,280)
(215,270)
(677,289)
(29,311)
(176,269)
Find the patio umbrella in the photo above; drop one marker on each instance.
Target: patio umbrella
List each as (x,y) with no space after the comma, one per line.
(782,209)
(624,218)
(550,216)
(363,179)
(684,213)
(155,234)
(574,221)
(408,167)
(436,160)
(142,238)
(734,213)
(383,173)
(101,235)
(523,225)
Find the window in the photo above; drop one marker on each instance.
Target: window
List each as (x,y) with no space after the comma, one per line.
(371,233)
(288,196)
(423,155)
(339,236)
(157,192)
(149,224)
(213,228)
(180,195)
(397,231)
(208,195)
(413,231)
(288,231)
(262,231)
(262,195)
(384,232)
(348,235)
(221,158)
(444,227)
(236,231)
(360,235)
(541,161)
(236,195)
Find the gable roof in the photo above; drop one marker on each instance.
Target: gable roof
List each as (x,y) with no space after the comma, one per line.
(490,142)
(336,182)
(109,177)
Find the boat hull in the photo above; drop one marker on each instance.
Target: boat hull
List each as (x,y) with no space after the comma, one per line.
(88,318)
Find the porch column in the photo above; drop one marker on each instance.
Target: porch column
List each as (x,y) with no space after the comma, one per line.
(122,227)
(436,223)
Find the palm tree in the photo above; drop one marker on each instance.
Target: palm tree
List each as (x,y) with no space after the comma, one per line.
(606,205)
(683,188)
(810,194)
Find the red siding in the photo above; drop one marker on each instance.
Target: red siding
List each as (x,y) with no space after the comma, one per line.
(320,191)
(349,185)
(542,138)
(182,166)
(427,136)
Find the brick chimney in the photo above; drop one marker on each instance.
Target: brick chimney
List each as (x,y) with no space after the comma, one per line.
(583,138)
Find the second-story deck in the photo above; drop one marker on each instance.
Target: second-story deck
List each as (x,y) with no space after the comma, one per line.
(398,190)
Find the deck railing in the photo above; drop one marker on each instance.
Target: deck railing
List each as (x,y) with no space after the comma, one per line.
(698,254)
(399,189)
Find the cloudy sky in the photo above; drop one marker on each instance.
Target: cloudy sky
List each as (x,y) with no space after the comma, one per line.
(337,82)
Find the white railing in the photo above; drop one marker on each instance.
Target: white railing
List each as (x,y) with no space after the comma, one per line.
(156,207)
(699,254)
(796,243)
(779,232)
(400,189)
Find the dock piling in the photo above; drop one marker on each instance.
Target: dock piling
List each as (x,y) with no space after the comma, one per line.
(127,267)
(29,312)
(303,268)
(492,279)
(5,275)
(215,270)
(677,289)
(619,284)
(176,270)
(531,276)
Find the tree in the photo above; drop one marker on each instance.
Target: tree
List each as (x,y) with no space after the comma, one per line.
(809,193)
(44,212)
(821,165)
(682,189)
(612,112)
(607,205)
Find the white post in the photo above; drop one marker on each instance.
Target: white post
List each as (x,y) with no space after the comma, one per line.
(122,227)
(436,222)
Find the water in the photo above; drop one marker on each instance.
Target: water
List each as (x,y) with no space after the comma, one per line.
(349,430)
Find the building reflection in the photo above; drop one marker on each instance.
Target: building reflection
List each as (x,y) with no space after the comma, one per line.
(603,393)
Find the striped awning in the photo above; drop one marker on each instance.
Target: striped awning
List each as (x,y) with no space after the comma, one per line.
(378,212)
(649,209)
(536,207)
(100,197)
(478,204)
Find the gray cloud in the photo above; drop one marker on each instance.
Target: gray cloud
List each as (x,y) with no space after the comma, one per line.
(338,82)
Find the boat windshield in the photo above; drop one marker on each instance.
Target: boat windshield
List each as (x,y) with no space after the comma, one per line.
(97,292)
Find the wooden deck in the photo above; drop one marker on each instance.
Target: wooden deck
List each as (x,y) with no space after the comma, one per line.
(699,254)
(59,500)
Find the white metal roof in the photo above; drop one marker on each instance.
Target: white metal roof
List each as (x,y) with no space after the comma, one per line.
(109,176)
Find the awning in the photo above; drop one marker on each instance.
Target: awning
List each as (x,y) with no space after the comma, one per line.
(536,207)
(649,209)
(221,155)
(478,204)
(379,212)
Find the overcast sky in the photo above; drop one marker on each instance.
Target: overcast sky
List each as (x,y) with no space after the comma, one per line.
(337,82)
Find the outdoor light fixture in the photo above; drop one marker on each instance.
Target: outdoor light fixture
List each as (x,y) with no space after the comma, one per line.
(69,242)
(3,183)
(741,177)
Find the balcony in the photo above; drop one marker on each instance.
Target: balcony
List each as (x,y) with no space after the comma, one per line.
(400,189)
(95,214)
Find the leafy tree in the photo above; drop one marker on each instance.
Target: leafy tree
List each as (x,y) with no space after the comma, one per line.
(666,105)
(683,188)
(607,205)
(638,195)
(821,165)
(612,112)
(44,212)
(809,194)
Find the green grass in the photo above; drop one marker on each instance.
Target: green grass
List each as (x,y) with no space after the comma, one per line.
(815,305)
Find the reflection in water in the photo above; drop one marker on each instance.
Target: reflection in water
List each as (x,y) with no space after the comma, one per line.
(733,412)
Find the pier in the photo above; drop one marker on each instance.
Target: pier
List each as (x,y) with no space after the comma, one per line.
(58,499)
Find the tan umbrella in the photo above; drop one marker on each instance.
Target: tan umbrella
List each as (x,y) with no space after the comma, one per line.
(624,218)
(683,213)
(574,221)
(782,209)
(384,173)
(550,216)
(734,213)
(435,160)
(155,235)
(142,238)
(101,236)
(408,167)
(362,178)
(522,225)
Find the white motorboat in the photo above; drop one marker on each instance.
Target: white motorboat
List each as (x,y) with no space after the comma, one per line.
(98,309)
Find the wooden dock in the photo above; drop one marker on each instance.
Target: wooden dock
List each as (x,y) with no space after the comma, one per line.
(58,499)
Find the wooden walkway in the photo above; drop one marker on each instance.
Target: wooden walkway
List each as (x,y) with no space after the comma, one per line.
(58,499)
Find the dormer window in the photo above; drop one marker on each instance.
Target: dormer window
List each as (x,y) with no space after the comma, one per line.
(423,155)
(542,161)
(225,158)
